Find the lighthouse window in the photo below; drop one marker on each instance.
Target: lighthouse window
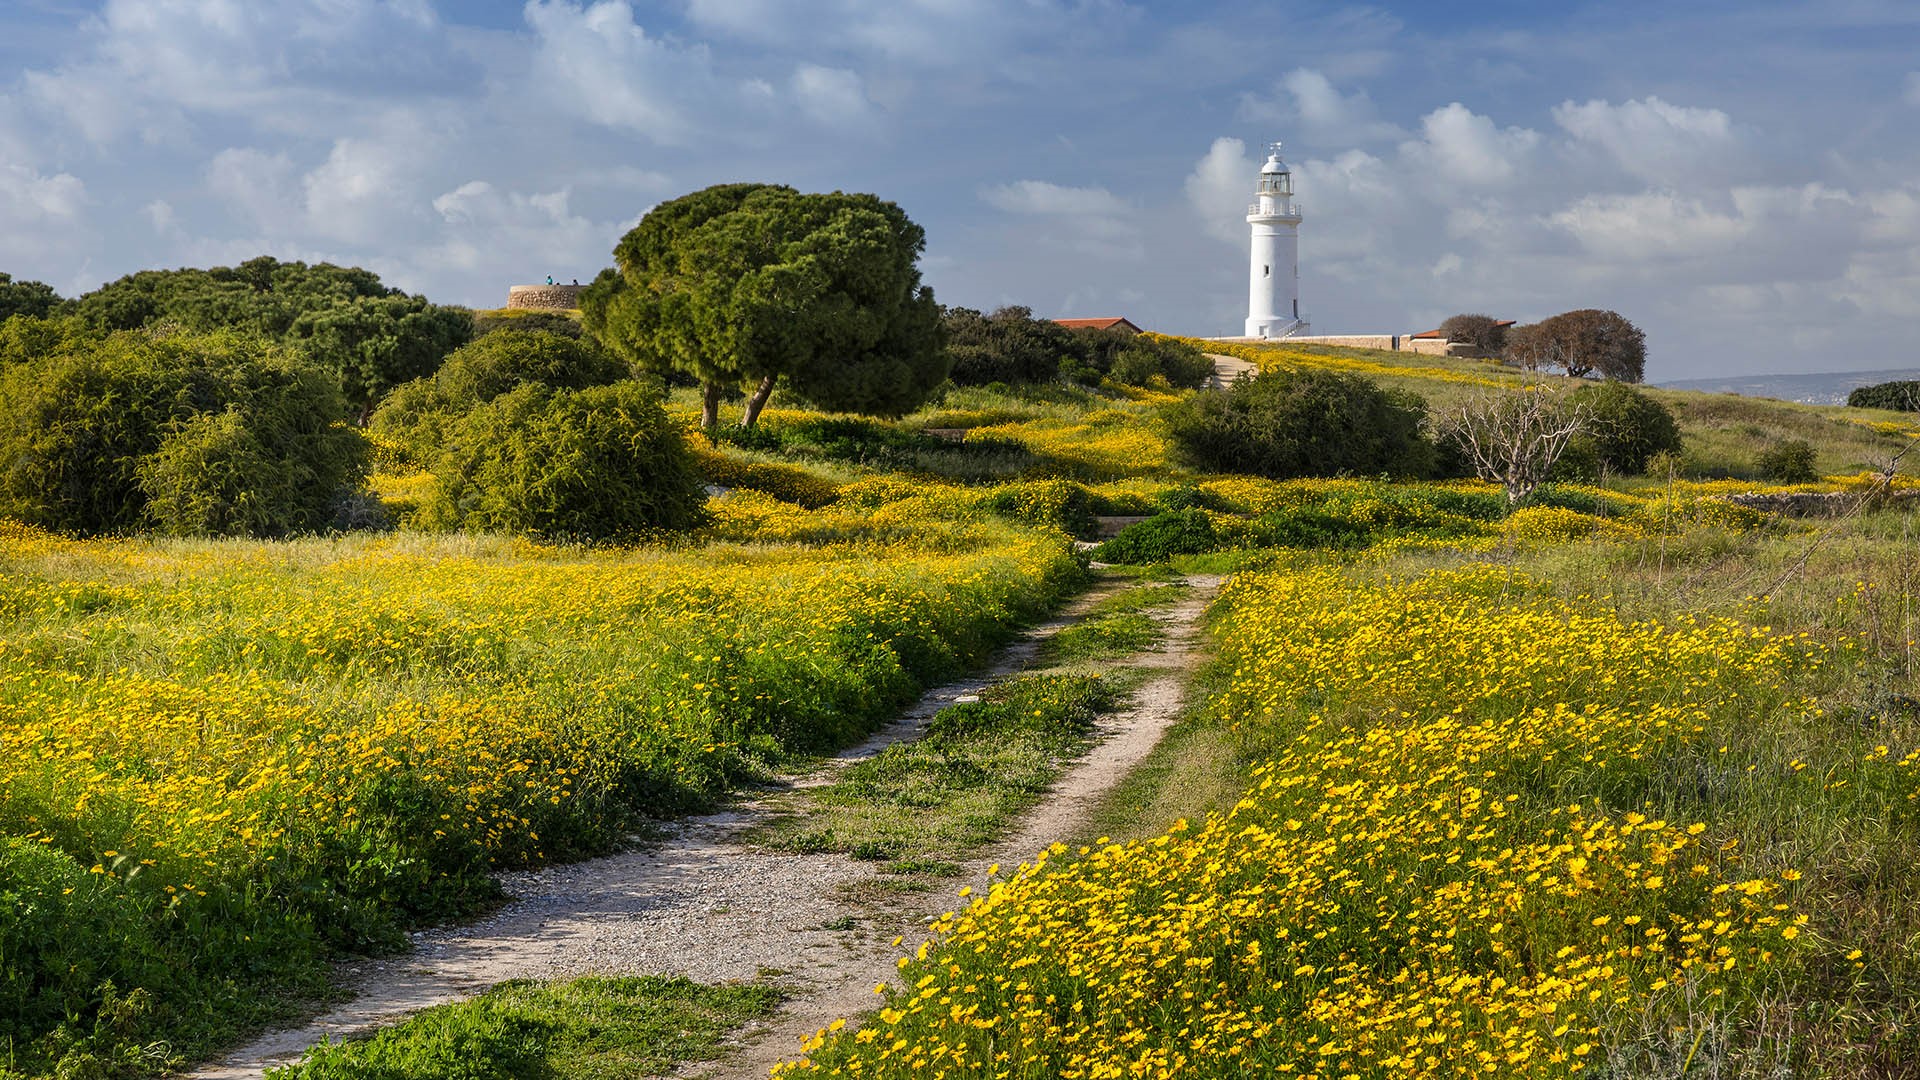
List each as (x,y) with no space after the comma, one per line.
(1266,271)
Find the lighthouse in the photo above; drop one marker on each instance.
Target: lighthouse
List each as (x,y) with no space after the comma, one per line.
(1273,272)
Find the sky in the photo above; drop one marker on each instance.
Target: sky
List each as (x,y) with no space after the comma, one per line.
(1742,180)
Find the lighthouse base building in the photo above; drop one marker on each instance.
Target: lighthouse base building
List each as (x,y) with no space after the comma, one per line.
(1273,269)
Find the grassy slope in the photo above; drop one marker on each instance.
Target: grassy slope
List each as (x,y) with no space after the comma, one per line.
(1723,432)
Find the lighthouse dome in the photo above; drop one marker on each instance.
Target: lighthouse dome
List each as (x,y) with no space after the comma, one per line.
(1274,165)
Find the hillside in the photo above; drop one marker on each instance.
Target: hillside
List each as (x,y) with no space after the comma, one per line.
(1814,388)
(1724,432)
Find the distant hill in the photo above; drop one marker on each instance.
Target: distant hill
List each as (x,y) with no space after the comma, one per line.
(1821,388)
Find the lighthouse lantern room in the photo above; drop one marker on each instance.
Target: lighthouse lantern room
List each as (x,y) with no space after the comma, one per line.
(1273,273)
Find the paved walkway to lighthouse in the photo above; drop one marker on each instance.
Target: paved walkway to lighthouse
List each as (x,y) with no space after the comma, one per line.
(1226,369)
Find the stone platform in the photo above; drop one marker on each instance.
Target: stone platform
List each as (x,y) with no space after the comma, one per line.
(545,297)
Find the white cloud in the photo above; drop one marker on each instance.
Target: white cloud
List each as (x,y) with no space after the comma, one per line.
(151,64)
(598,63)
(831,97)
(1092,220)
(38,213)
(259,185)
(1912,96)
(1651,226)
(926,33)
(1220,187)
(29,198)
(1655,141)
(1040,197)
(1462,146)
(159,214)
(1323,113)
(537,232)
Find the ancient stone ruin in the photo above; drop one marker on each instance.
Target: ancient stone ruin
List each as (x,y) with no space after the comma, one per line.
(545,297)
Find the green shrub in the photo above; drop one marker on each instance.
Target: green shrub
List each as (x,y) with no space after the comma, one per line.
(1059,504)
(558,322)
(1284,424)
(1160,362)
(508,359)
(1901,396)
(1009,346)
(1160,537)
(212,477)
(92,434)
(603,463)
(417,415)
(1626,428)
(1790,462)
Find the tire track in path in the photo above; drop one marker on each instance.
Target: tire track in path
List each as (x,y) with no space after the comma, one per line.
(702,903)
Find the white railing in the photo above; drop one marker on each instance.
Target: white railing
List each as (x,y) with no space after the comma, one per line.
(1287,209)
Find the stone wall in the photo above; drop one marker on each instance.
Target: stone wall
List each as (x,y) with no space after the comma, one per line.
(1816,503)
(545,297)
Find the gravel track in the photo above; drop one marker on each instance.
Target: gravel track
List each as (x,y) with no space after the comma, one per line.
(702,903)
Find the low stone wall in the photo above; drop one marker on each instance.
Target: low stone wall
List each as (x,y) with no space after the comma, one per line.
(545,297)
(1389,342)
(1815,503)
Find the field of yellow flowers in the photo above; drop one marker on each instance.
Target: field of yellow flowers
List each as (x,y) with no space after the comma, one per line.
(216,757)
(1494,831)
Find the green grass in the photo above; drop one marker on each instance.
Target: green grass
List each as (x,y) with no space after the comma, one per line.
(1853,585)
(918,804)
(584,1029)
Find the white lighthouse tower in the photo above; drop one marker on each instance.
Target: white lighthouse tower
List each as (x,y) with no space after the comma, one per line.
(1273,274)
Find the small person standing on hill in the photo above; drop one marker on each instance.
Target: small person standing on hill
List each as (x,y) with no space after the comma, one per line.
(549,279)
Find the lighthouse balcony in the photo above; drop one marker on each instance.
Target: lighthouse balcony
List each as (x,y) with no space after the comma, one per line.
(1285,210)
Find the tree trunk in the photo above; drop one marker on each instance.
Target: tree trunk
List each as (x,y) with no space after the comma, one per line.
(757,401)
(709,406)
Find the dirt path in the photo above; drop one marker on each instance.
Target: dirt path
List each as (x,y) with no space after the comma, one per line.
(1226,369)
(703,904)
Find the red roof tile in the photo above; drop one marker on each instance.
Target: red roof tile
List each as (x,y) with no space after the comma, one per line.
(1097,324)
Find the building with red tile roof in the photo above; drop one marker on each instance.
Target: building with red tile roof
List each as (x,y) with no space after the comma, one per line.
(1099,324)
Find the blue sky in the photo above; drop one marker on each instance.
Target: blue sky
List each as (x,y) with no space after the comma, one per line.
(1742,179)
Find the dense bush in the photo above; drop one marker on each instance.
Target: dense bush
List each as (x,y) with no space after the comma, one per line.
(415,416)
(1012,347)
(1059,504)
(227,433)
(558,322)
(1160,362)
(1903,396)
(1160,537)
(603,463)
(1008,346)
(1790,462)
(1625,428)
(1283,424)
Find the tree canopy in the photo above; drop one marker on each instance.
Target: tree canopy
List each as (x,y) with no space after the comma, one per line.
(1282,424)
(1581,343)
(742,285)
(374,337)
(35,299)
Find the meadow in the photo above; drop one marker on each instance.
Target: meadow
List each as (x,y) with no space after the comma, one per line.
(222,758)
(1475,789)
(1636,806)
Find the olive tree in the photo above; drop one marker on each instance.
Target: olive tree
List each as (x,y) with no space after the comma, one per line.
(742,285)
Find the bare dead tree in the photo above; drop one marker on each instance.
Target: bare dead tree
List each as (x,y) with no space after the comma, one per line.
(1514,437)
